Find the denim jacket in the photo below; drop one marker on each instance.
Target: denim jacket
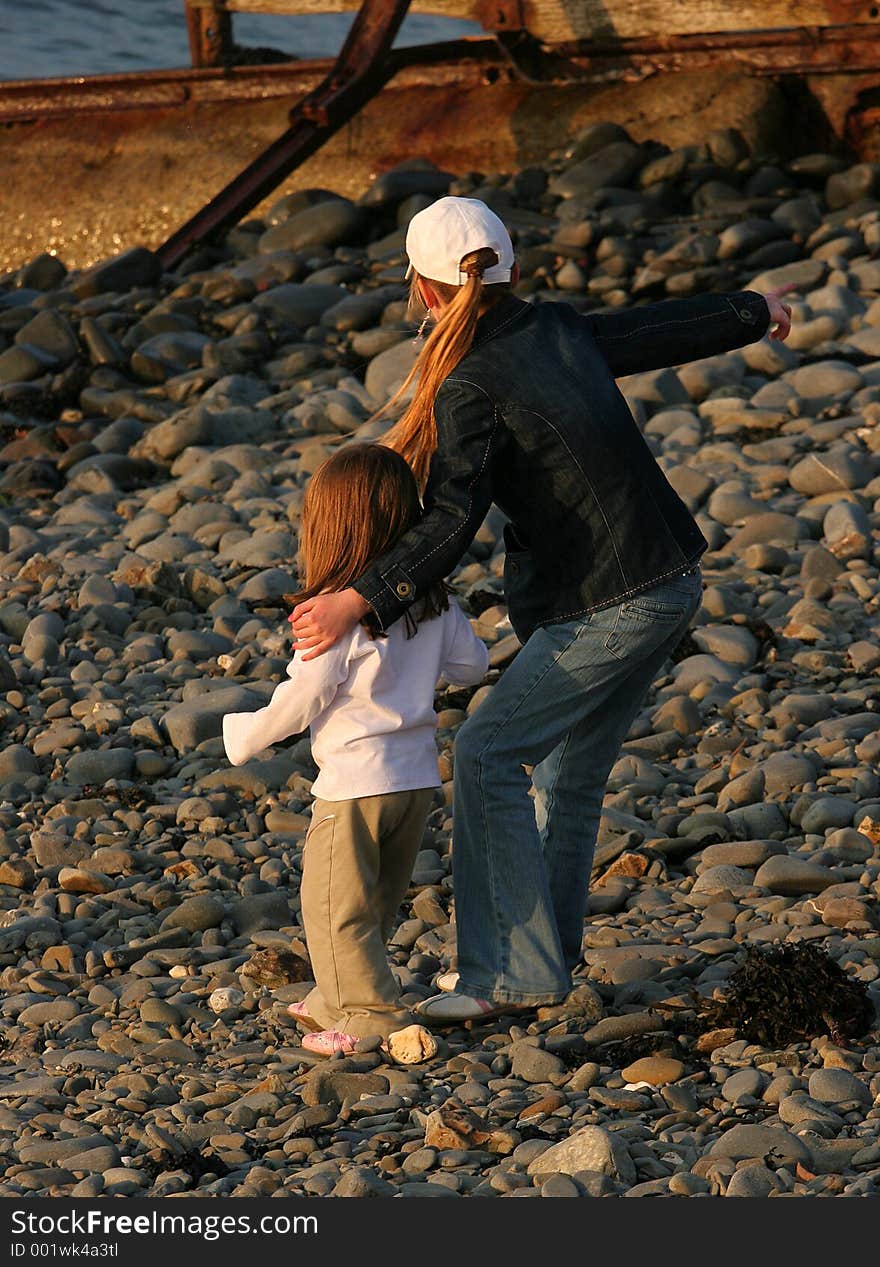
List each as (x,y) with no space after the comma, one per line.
(532,420)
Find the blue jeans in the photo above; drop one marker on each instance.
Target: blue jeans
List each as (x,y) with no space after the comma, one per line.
(522,867)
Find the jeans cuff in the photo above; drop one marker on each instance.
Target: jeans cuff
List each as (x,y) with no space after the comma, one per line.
(488,992)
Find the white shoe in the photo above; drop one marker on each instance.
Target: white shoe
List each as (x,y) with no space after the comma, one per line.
(453,1009)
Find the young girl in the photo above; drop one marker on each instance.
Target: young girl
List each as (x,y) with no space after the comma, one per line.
(369,707)
(516,404)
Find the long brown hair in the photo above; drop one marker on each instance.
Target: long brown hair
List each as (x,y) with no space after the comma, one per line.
(358,504)
(414,435)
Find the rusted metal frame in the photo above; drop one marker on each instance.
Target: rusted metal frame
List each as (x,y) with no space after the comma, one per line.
(500,15)
(799,50)
(26,100)
(210,34)
(781,38)
(358,73)
(848,50)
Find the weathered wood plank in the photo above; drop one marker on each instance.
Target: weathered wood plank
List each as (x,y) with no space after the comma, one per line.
(560,20)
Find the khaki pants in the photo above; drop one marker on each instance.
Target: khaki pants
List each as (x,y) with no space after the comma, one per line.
(359,858)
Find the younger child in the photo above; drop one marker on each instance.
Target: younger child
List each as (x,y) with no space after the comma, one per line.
(369,707)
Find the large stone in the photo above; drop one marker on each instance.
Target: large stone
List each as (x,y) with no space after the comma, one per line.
(791,877)
(168,353)
(410,178)
(692,486)
(94,1160)
(829,472)
(614,164)
(773,528)
(267,586)
(300,304)
(535,1064)
(591,1148)
(17,873)
(185,429)
(699,378)
(387,371)
(839,1086)
(740,853)
(803,274)
(657,1070)
(133,268)
(745,1141)
(764,819)
(79,880)
(824,382)
(746,789)
(753,1181)
(259,911)
(717,878)
(847,530)
(189,723)
(55,1012)
(786,772)
(324,1085)
(655,387)
(51,334)
(195,914)
(827,812)
(698,669)
(361,1181)
(730,643)
(98,766)
(52,1151)
(860,181)
(17,760)
(328,223)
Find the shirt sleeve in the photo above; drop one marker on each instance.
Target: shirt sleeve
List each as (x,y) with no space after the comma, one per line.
(311,687)
(457,497)
(674,331)
(465,656)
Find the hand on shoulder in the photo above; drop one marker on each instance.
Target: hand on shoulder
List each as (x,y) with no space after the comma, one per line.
(320,622)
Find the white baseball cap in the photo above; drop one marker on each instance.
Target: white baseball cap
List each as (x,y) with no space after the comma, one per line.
(440,236)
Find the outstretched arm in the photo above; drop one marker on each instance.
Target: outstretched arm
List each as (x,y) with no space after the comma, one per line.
(677,330)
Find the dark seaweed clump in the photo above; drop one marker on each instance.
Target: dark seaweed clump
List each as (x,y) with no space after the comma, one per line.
(790,994)
(193,1163)
(624,1051)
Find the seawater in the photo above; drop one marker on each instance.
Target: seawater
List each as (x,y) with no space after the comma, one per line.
(48,38)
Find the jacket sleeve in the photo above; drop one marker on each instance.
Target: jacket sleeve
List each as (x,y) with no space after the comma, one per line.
(311,686)
(678,330)
(465,656)
(457,497)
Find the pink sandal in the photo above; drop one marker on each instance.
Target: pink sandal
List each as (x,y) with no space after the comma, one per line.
(329,1042)
(300,1015)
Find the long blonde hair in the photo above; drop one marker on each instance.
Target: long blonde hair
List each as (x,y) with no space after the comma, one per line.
(414,435)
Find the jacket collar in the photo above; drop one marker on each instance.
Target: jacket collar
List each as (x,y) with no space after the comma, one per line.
(499,315)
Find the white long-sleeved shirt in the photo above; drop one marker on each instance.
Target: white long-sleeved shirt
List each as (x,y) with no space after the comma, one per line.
(369,705)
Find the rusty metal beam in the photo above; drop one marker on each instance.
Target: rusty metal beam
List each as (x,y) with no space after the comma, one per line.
(210,34)
(840,50)
(358,73)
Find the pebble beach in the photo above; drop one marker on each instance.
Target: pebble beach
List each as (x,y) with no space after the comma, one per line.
(157,433)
